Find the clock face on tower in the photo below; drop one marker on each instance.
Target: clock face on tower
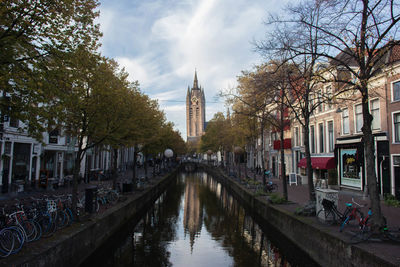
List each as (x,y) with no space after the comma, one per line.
(194,100)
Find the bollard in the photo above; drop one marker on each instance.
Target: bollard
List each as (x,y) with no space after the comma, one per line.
(90,199)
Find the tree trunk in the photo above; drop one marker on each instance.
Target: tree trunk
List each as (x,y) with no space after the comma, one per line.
(262,152)
(311,189)
(283,169)
(115,167)
(145,166)
(134,168)
(75,181)
(369,148)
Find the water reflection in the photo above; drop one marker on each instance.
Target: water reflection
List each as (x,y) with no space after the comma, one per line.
(194,223)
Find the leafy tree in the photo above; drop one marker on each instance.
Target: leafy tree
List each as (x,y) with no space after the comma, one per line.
(32,33)
(93,102)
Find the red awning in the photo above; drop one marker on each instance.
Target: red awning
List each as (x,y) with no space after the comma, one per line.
(323,163)
(287,144)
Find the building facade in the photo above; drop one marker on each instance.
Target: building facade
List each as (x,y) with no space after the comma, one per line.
(195,111)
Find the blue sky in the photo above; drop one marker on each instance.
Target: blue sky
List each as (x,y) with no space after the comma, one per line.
(161,43)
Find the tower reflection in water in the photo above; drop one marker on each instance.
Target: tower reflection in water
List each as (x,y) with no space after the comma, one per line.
(198,208)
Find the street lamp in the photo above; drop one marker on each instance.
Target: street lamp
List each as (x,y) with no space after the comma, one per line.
(168,153)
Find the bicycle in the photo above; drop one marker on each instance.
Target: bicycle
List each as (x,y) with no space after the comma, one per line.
(270,187)
(384,234)
(352,213)
(329,214)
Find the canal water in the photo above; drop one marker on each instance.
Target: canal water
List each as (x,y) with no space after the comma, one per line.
(196,222)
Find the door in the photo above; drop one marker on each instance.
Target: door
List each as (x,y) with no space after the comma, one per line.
(397,182)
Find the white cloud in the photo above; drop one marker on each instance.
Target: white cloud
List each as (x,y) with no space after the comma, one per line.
(160,45)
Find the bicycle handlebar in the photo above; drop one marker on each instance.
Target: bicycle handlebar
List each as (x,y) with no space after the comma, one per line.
(352,200)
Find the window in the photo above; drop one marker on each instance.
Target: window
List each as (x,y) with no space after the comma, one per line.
(319,96)
(273,137)
(321,138)
(359,117)
(396,127)
(330,136)
(376,122)
(396,91)
(53,137)
(329,95)
(14,122)
(345,121)
(7,148)
(296,136)
(312,135)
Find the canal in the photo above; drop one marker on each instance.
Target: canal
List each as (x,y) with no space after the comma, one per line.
(196,222)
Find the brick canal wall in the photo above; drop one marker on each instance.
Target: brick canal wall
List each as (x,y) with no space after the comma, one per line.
(72,245)
(324,248)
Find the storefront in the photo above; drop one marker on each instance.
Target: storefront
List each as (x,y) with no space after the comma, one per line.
(351,162)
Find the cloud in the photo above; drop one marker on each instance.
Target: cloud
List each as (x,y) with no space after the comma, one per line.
(161,43)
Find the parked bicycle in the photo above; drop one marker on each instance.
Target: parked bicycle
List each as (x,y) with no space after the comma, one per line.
(270,187)
(329,214)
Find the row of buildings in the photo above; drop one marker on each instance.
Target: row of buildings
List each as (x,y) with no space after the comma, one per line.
(336,139)
(27,162)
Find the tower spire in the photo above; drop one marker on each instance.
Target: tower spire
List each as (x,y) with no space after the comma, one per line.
(195,84)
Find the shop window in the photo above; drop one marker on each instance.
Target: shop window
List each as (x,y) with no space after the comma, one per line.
(345,121)
(359,117)
(350,171)
(376,122)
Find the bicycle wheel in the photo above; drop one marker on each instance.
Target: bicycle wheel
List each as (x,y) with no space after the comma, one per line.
(47,225)
(360,236)
(353,220)
(70,216)
(29,229)
(393,235)
(7,242)
(274,187)
(60,219)
(326,217)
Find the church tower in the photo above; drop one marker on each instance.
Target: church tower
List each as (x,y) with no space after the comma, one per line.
(195,111)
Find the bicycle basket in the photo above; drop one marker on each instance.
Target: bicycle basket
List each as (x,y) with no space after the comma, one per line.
(327,204)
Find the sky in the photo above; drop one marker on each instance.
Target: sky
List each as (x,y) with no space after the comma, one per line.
(161,43)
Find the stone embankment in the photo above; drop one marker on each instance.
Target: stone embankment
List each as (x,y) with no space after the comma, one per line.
(320,244)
